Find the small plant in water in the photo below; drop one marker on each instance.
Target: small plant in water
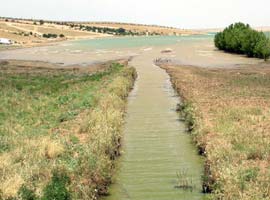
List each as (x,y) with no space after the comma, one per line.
(184,181)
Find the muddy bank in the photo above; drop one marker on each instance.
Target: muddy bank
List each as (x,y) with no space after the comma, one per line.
(183,50)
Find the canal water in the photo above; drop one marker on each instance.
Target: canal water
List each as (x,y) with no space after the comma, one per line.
(158,152)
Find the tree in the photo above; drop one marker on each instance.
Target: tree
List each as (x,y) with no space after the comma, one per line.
(121,30)
(240,38)
(262,49)
(41,22)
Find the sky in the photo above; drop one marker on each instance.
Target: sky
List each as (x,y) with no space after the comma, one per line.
(187,14)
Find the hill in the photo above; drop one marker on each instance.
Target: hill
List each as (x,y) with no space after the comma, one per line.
(38,32)
(26,32)
(145,29)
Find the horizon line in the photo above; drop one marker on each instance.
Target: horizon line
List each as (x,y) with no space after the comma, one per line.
(119,22)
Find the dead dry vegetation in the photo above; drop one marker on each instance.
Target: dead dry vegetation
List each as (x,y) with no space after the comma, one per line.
(228,113)
(60,129)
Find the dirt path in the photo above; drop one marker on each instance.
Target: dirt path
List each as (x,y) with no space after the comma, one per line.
(156,145)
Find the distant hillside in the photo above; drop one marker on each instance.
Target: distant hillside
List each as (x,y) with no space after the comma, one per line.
(37,32)
(144,29)
(259,28)
(30,32)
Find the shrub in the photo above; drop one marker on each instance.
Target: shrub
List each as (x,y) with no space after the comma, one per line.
(56,189)
(242,39)
(120,31)
(27,194)
(50,35)
(61,35)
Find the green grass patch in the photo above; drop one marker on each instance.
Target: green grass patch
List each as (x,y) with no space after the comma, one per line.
(41,114)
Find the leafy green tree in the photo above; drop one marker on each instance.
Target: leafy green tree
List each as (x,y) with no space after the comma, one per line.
(262,49)
(242,39)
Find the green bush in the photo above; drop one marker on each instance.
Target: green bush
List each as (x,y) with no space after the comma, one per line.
(50,35)
(56,189)
(27,194)
(242,39)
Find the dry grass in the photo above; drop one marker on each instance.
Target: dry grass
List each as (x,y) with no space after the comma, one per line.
(43,111)
(56,29)
(228,110)
(25,33)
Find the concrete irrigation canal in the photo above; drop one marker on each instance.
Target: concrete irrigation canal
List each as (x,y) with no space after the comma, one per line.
(158,153)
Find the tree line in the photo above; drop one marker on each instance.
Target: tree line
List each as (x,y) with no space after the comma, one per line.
(107,30)
(52,35)
(242,39)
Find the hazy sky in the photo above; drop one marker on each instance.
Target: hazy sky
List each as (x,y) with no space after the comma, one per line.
(178,13)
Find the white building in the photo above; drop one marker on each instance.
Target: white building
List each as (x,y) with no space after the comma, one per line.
(5,41)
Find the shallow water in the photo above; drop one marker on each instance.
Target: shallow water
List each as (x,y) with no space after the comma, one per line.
(187,50)
(134,42)
(156,145)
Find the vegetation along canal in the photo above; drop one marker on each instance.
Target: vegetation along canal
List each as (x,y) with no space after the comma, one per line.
(159,159)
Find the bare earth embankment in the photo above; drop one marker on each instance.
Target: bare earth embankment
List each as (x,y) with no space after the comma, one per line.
(228,112)
(60,128)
